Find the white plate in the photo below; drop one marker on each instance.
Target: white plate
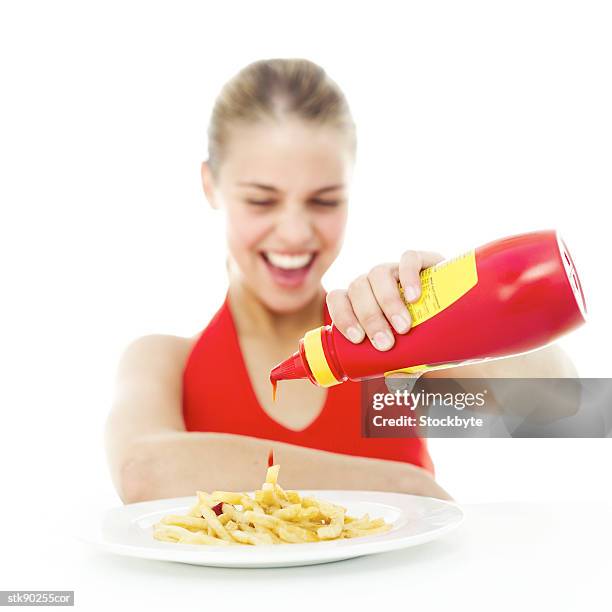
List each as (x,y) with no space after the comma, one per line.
(128,531)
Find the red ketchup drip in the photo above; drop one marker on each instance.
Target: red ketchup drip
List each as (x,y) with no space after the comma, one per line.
(274,385)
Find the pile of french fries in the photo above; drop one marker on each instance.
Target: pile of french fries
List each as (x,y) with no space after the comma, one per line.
(272,516)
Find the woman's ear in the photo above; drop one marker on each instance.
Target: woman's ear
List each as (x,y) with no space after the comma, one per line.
(208,184)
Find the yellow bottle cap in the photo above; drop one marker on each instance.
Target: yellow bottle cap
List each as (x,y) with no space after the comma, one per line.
(315,355)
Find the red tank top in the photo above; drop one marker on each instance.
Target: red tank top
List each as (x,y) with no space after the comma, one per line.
(215,367)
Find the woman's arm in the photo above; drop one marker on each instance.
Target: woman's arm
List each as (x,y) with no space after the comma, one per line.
(548,362)
(173,464)
(553,401)
(152,456)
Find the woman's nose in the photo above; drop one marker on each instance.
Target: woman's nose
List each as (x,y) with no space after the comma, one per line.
(295,227)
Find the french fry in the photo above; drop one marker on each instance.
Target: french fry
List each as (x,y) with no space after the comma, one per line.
(358,523)
(215,523)
(366,523)
(272,474)
(293,497)
(194,510)
(294,535)
(248,503)
(288,513)
(265,530)
(357,533)
(334,529)
(268,495)
(227,497)
(250,537)
(311,514)
(192,523)
(174,533)
(204,498)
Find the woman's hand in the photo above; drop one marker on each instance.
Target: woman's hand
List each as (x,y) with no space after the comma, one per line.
(372,305)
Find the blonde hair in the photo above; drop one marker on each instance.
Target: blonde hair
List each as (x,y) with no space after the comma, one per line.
(272,89)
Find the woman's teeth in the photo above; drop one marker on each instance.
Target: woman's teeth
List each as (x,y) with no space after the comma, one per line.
(289,262)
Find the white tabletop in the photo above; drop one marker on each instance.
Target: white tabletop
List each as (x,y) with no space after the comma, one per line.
(505,556)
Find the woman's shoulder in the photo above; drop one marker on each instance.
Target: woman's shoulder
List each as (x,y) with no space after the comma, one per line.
(164,350)
(156,354)
(162,342)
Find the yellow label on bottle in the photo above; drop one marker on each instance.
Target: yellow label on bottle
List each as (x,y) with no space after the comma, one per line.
(417,370)
(442,285)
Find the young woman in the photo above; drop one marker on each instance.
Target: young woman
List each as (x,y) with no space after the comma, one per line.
(197,413)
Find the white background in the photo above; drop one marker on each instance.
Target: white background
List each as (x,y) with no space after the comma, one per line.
(475,120)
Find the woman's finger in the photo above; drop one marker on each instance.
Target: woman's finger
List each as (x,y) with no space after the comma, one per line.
(383,280)
(343,317)
(369,314)
(410,266)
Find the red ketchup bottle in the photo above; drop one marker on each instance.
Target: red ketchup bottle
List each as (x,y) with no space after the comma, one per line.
(509,296)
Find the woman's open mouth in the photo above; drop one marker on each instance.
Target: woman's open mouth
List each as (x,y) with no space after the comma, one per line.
(288,269)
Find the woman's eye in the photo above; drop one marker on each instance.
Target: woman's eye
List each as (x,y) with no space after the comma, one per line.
(322,202)
(261,202)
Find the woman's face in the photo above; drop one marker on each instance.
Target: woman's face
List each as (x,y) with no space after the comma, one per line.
(284,188)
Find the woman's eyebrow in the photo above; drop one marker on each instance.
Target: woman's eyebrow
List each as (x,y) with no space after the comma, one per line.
(330,188)
(272,188)
(259,185)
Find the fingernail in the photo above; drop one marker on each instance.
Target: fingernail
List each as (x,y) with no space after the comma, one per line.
(355,334)
(383,340)
(411,293)
(400,323)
